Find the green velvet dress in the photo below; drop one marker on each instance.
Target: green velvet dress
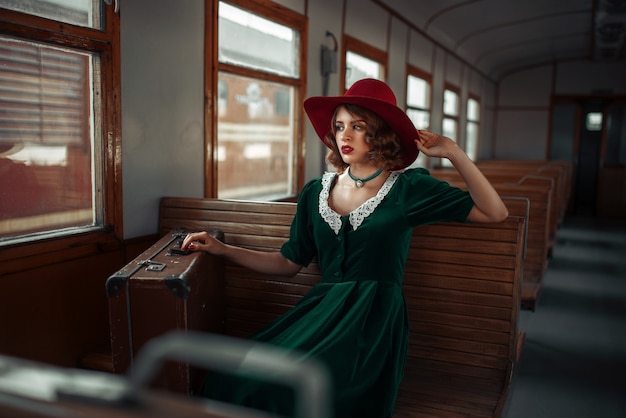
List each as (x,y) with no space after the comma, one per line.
(355,320)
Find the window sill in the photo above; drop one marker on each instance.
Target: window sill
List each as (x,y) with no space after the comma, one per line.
(54,248)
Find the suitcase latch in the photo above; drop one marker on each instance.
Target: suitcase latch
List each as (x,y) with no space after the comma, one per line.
(152,265)
(176,249)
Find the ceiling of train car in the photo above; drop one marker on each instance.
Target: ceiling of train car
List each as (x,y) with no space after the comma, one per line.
(499,36)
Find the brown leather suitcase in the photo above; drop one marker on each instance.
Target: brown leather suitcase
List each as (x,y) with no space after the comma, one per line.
(161,290)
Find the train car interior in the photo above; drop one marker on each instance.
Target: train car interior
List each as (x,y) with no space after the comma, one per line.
(124,120)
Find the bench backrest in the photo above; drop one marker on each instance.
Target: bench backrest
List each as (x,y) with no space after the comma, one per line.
(541,224)
(559,171)
(462,287)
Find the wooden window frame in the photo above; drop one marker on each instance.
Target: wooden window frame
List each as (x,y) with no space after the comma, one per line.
(213,67)
(22,254)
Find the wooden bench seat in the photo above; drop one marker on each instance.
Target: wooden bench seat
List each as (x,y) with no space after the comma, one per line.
(462,287)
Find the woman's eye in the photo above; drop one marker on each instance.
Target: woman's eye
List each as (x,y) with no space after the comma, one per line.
(339,127)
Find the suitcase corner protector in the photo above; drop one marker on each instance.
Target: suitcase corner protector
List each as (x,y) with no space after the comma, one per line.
(115,282)
(177,285)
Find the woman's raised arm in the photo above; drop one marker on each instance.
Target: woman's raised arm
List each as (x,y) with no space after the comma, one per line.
(488,206)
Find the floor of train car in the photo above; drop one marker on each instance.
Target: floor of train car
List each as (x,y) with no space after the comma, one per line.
(573,361)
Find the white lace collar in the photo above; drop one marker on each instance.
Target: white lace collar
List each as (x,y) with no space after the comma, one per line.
(357,216)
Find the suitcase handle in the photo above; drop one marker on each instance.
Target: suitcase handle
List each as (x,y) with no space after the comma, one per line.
(308,377)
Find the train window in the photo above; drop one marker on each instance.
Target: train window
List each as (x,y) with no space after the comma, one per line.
(362,61)
(46,133)
(248,40)
(471,127)
(257,120)
(418,101)
(473,110)
(593,121)
(450,122)
(450,103)
(255,139)
(418,104)
(449,128)
(358,67)
(76,12)
(58,141)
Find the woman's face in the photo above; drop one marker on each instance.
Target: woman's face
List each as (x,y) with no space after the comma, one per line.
(350,135)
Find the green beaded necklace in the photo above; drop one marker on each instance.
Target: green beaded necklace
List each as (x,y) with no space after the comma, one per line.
(360,182)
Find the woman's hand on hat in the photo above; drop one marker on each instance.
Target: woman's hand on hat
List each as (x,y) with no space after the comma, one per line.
(434,145)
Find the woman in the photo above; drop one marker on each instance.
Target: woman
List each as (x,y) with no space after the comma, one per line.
(358,223)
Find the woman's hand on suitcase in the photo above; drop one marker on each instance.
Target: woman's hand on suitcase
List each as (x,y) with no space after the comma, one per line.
(202,241)
(268,262)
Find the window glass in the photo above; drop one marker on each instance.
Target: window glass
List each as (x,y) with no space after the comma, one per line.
(252,41)
(449,124)
(259,82)
(420,118)
(76,12)
(471,140)
(450,103)
(359,67)
(471,128)
(473,110)
(616,136)
(418,92)
(47,138)
(418,108)
(255,138)
(449,128)
(594,121)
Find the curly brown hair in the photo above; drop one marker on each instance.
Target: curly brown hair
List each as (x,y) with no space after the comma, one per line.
(386,151)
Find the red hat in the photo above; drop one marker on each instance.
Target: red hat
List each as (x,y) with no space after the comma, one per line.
(373,95)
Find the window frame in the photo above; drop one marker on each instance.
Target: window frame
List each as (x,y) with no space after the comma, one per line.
(58,247)
(213,67)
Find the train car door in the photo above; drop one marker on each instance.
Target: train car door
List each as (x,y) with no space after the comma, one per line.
(590,129)
(592,133)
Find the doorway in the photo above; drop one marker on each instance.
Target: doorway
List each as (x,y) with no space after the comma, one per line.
(590,142)
(590,132)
